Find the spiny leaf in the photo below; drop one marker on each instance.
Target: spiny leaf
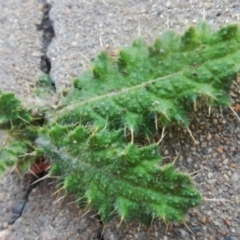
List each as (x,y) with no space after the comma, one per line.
(10,154)
(11,112)
(158,80)
(93,138)
(144,85)
(114,176)
(23,129)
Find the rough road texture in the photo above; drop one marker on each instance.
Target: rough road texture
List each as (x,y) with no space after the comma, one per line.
(81,29)
(20,46)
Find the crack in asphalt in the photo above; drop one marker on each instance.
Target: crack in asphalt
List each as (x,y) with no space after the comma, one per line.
(47,29)
(47,34)
(19,207)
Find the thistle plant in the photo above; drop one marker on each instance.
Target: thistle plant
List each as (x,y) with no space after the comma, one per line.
(95,137)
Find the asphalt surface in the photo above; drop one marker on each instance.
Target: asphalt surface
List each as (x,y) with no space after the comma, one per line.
(59,37)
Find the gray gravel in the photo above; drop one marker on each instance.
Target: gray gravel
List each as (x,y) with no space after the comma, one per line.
(20,46)
(47,217)
(82,29)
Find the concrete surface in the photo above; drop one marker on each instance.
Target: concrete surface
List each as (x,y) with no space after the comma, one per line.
(67,36)
(20,46)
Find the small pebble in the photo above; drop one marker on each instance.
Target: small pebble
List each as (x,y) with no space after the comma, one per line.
(196,229)
(166,152)
(235,177)
(1,196)
(209,136)
(232,165)
(225,162)
(46,235)
(168,4)
(197,142)
(227,222)
(236,200)
(214,155)
(226,177)
(183,233)
(5,225)
(220,165)
(199,234)
(217,138)
(143,10)
(209,150)
(219,149)
(210,174)
(230,238)
(232,149)
(203,219)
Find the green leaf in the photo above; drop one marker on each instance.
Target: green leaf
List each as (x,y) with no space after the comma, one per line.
(11,154)
(113,176)
(158,80)
(96,138)
(11,112)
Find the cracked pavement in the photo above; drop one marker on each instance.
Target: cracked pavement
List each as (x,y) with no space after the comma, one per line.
(59,37)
